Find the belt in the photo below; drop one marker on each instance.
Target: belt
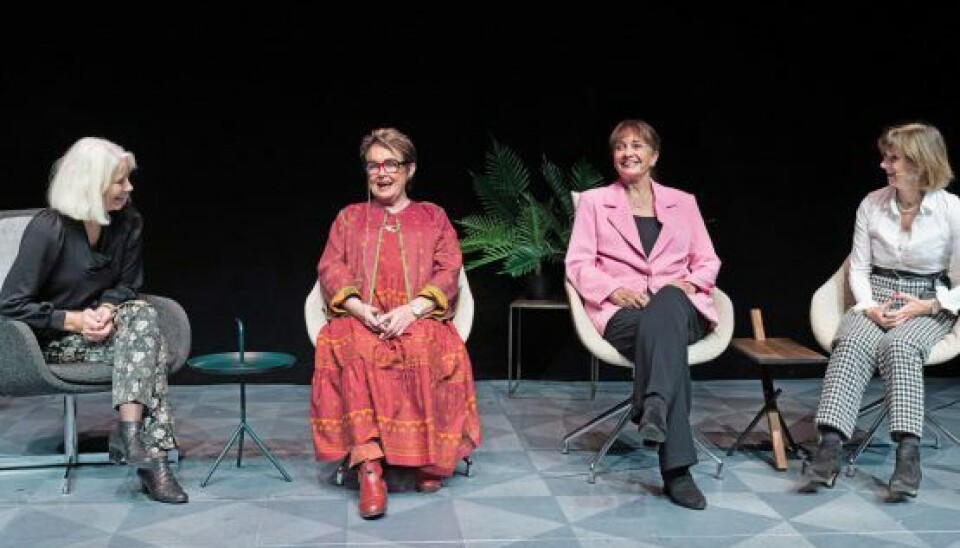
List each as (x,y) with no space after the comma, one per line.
(893,273)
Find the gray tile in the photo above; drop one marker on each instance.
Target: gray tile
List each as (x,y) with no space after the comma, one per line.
(411,517)
(38,527)
(480,521)
(524,491)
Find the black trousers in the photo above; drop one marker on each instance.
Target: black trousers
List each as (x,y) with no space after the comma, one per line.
(656,339)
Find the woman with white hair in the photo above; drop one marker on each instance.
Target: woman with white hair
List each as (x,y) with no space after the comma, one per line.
(75,282)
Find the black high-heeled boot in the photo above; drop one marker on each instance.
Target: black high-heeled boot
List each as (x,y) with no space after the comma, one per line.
(906,474)
(825,468)
(125,446)
(160,483)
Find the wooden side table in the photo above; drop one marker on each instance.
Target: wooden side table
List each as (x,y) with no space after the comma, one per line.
(767,352)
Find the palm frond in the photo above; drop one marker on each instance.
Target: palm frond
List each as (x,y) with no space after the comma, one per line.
(489,256)
(583,176)
(482,232)
(531,225)
(518,230)
(557,230)
(504,180)
(523,261)
(559,183)
(482,223)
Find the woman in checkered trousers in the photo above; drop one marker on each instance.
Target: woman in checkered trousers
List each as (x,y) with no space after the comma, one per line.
(905,260)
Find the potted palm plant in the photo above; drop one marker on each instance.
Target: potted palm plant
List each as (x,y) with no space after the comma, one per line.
(518,231)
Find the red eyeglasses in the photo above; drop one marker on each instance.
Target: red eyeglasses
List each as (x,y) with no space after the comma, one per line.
(389,165)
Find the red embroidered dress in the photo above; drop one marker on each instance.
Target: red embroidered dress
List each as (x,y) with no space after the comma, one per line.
(413,394)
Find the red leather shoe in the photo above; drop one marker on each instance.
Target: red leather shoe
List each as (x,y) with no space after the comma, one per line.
(428,483)
(373,490)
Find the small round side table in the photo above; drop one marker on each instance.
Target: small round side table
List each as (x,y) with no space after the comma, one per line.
(242,364)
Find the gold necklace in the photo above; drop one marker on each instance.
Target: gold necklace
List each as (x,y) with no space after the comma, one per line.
(395,227)
(908,209)
(376,256)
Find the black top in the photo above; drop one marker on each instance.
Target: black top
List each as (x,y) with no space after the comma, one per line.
(57,270)
(649,229)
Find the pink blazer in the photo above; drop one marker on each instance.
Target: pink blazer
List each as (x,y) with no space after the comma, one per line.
(605,251)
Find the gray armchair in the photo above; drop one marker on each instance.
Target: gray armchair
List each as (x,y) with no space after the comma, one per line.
(23,371)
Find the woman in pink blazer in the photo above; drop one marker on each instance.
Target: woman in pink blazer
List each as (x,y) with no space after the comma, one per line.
(642,260)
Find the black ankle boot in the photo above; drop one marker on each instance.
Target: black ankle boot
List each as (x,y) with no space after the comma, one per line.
(825,468)
(684,492)
(906,474)
(125,446)
(160,483)
(653,422)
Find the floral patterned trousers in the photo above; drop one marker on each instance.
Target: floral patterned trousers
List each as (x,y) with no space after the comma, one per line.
(138,354)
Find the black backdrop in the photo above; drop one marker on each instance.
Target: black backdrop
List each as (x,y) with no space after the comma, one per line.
(246,126)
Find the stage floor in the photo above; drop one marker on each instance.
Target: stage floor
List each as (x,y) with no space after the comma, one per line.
(524,491)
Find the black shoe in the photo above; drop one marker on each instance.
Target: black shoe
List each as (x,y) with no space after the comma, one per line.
(160,483)
(653,423)
(125,446)
(684,492)
(906,474)
(824,469)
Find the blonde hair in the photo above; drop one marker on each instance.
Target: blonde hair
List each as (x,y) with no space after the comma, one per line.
(923,145)
(81,177)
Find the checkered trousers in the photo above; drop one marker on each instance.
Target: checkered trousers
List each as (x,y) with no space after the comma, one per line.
(861,347)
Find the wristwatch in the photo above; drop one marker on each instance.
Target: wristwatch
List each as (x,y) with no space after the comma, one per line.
(417,309)
(935,307)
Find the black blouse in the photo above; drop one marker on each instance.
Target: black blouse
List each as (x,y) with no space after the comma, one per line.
(57,270)
(649,230)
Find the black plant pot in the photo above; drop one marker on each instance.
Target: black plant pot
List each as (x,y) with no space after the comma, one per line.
(539,287)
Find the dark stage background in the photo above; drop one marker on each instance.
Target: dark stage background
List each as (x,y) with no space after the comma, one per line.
(246,126)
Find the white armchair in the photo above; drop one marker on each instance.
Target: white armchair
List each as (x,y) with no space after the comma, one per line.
(702,351)
(315,313)
(827,307)
(315,310)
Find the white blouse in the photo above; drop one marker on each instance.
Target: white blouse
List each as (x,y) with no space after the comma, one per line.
(932,244)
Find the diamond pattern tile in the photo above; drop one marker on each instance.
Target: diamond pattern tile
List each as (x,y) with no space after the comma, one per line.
(523,492)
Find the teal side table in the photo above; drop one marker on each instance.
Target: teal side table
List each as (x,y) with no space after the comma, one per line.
(242,364)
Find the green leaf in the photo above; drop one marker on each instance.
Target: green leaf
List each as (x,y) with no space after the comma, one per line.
(583,176)
(525,260)
(503,182)
(559,184)
(482,232)
(518,230)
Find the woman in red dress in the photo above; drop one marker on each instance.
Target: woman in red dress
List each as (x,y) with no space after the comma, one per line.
(392,380)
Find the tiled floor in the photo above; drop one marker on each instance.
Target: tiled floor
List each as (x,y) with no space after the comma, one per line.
(524,491)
